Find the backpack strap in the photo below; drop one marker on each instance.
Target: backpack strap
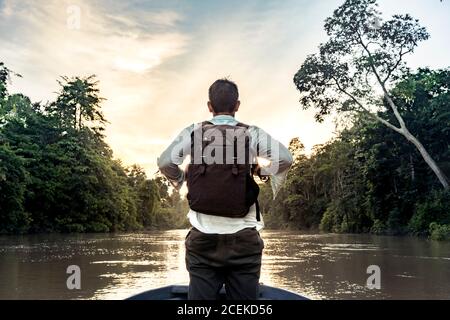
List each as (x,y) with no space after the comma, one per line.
(235,169)
(239,124)
(243,125)
(206,123)
(201,124)
(258,212)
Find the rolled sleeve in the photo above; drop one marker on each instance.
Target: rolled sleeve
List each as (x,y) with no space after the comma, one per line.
(171,158)
(279,156)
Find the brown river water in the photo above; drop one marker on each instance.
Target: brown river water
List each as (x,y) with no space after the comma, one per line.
(319,266)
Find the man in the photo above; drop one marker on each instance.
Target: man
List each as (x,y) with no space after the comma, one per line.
(224,246)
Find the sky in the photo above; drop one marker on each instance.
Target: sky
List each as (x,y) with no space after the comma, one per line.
(156,59)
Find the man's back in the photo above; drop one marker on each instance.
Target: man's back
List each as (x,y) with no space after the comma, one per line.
(224,246)
(261,144)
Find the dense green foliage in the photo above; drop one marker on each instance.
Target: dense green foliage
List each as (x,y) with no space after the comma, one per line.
(356,69)
(57,174)
(386,172)
(369,178)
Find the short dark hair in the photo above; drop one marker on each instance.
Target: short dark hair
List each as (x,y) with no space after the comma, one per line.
(223,95)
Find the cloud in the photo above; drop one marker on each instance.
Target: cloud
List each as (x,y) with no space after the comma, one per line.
(123,47)
(156,62)
(7,8)
(156,77)
(260,49)
(47,36)
(144,20)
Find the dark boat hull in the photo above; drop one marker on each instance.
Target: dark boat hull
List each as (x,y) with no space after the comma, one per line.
(179,292)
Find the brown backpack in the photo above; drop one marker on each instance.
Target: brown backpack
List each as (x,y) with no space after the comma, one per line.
(219,177)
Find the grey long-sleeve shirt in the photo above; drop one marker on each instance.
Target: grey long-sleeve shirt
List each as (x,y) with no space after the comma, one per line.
(261,144)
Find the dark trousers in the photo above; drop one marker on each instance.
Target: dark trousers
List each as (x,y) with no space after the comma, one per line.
(233,260)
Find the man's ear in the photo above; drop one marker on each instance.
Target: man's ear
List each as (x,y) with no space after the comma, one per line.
(238,104)
(210,108)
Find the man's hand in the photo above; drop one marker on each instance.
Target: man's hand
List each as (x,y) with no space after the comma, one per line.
(257,171)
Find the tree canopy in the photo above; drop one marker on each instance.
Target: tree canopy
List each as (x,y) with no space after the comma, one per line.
(370,179)
(57,174)
(360,63)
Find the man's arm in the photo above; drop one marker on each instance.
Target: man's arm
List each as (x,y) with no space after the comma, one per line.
(279,156)
(174,155)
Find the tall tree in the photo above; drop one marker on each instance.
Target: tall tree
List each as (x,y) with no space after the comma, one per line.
(79,104)
(363,58)
(147,195)
(57,173)
(4,77)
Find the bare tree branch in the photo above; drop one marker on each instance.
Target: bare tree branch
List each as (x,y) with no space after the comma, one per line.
(367,111)
(383,87)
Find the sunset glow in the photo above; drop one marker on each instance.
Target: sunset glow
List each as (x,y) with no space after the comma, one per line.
(155,61)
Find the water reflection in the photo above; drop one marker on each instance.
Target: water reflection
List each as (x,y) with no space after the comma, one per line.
(319,266)
(165,251)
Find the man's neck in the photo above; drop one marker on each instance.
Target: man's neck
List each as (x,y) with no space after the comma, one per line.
(223,114)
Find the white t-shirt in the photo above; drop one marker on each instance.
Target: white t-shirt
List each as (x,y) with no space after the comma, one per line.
(222,225)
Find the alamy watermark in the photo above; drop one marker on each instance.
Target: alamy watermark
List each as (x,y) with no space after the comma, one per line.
(374,280)
(226,146)
(74,280)
(73,17)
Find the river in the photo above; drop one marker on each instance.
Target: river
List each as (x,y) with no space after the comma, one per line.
(320,266)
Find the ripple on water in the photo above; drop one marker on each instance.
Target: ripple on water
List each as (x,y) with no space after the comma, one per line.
(318,266)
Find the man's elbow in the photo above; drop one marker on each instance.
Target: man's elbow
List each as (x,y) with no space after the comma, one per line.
(159,163)
(286,162)
(162,163)
(282,165)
